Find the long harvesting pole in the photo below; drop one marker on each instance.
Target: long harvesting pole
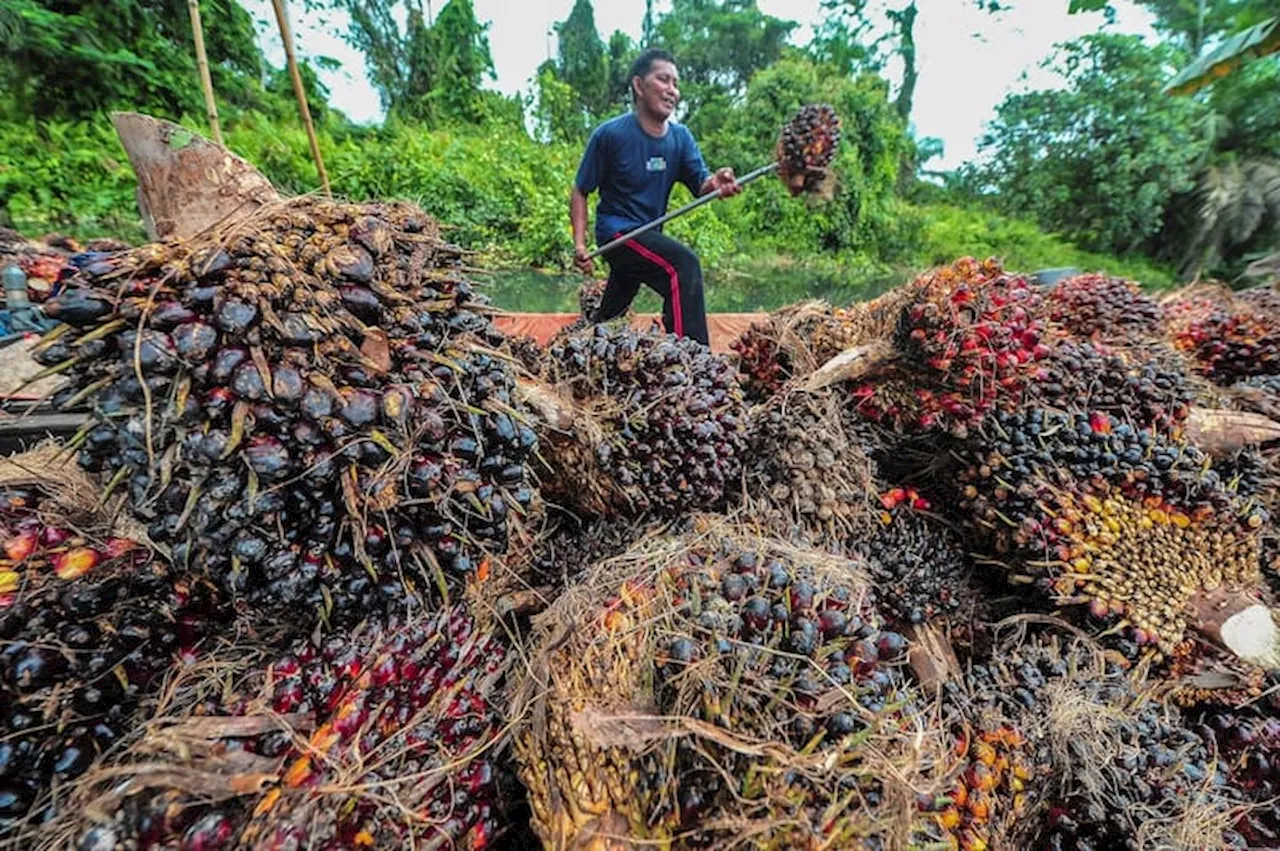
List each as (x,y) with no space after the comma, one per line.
(692,205)
(286,35)
(202,63)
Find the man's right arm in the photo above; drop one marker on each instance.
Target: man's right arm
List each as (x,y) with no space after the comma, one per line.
(584,183)
(578,218)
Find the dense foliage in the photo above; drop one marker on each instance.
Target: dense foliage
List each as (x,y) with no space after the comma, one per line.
(1100,158)
(1117,163)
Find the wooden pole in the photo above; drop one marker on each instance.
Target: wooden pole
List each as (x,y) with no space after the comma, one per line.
(286,35)
(202,62)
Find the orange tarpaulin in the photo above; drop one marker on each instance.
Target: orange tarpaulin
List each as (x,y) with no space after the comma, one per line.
(724,328)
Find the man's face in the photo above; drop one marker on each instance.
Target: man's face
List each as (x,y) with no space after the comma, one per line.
(659,91)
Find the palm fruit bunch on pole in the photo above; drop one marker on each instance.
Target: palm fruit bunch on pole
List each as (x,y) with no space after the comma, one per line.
(916,561)
(1230,335)
(1104,309)
(721,688)
(640,423)
(1101,513)
(304,405)
(969,340)
(806,146)
(385,736)
(89,625)
(806,473)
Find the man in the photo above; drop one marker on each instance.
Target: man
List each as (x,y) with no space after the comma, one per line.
(635,160)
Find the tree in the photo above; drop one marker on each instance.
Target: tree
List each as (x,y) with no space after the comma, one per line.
(877,31)
(558,113)
(72,58)
(583,63)
(718,45)
(622,52)
(432,72)
(1233,214)
(1100,159)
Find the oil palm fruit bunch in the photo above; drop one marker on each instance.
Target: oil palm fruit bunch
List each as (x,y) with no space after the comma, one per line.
(997,788)
(1129,522)
(804,473)
(659,423)
(773,351)
(806,147)
(658,669)
(590,294)
(571,544)
(1096,756)
(1103,309)
(1087,376)
(968,341)
(396,745)
(917,562)
(1247,740)
(795,340)
(407,723)
(88,627)
(1230,336)
(304,406)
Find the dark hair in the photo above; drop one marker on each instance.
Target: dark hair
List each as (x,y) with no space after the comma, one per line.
(644,63)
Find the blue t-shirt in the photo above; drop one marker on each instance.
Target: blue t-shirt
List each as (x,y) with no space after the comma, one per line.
(635,172)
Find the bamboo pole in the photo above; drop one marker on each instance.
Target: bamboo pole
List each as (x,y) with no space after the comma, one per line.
(202,62)
(286,35)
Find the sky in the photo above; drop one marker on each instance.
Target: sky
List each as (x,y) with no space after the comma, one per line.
(968,60)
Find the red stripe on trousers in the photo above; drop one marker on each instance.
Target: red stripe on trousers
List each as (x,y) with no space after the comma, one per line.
(677,314)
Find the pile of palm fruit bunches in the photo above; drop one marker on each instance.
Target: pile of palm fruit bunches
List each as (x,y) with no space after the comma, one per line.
(978,564)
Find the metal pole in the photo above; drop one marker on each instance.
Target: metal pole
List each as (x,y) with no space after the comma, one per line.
(692,205)
(202,63)
(286,35)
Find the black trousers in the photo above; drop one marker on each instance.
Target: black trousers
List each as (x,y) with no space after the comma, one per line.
(670,269)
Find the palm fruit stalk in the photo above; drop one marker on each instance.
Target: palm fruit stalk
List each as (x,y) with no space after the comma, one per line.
(804,474)
(917,562)
(1230,336)
(721,688)
(1101,763)
(395,741)
(967,342)
(1104,309)
(806,146)
(303,406)
(655,424)
(88,628)
(1132,524)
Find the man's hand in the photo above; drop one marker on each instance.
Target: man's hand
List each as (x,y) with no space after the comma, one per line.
(725,182)
(580,259)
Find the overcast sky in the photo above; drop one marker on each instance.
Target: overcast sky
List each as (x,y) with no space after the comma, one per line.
(968,60)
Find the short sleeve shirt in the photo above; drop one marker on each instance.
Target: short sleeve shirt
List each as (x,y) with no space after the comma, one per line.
(635,172)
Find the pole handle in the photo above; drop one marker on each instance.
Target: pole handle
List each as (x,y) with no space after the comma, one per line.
(692,205)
